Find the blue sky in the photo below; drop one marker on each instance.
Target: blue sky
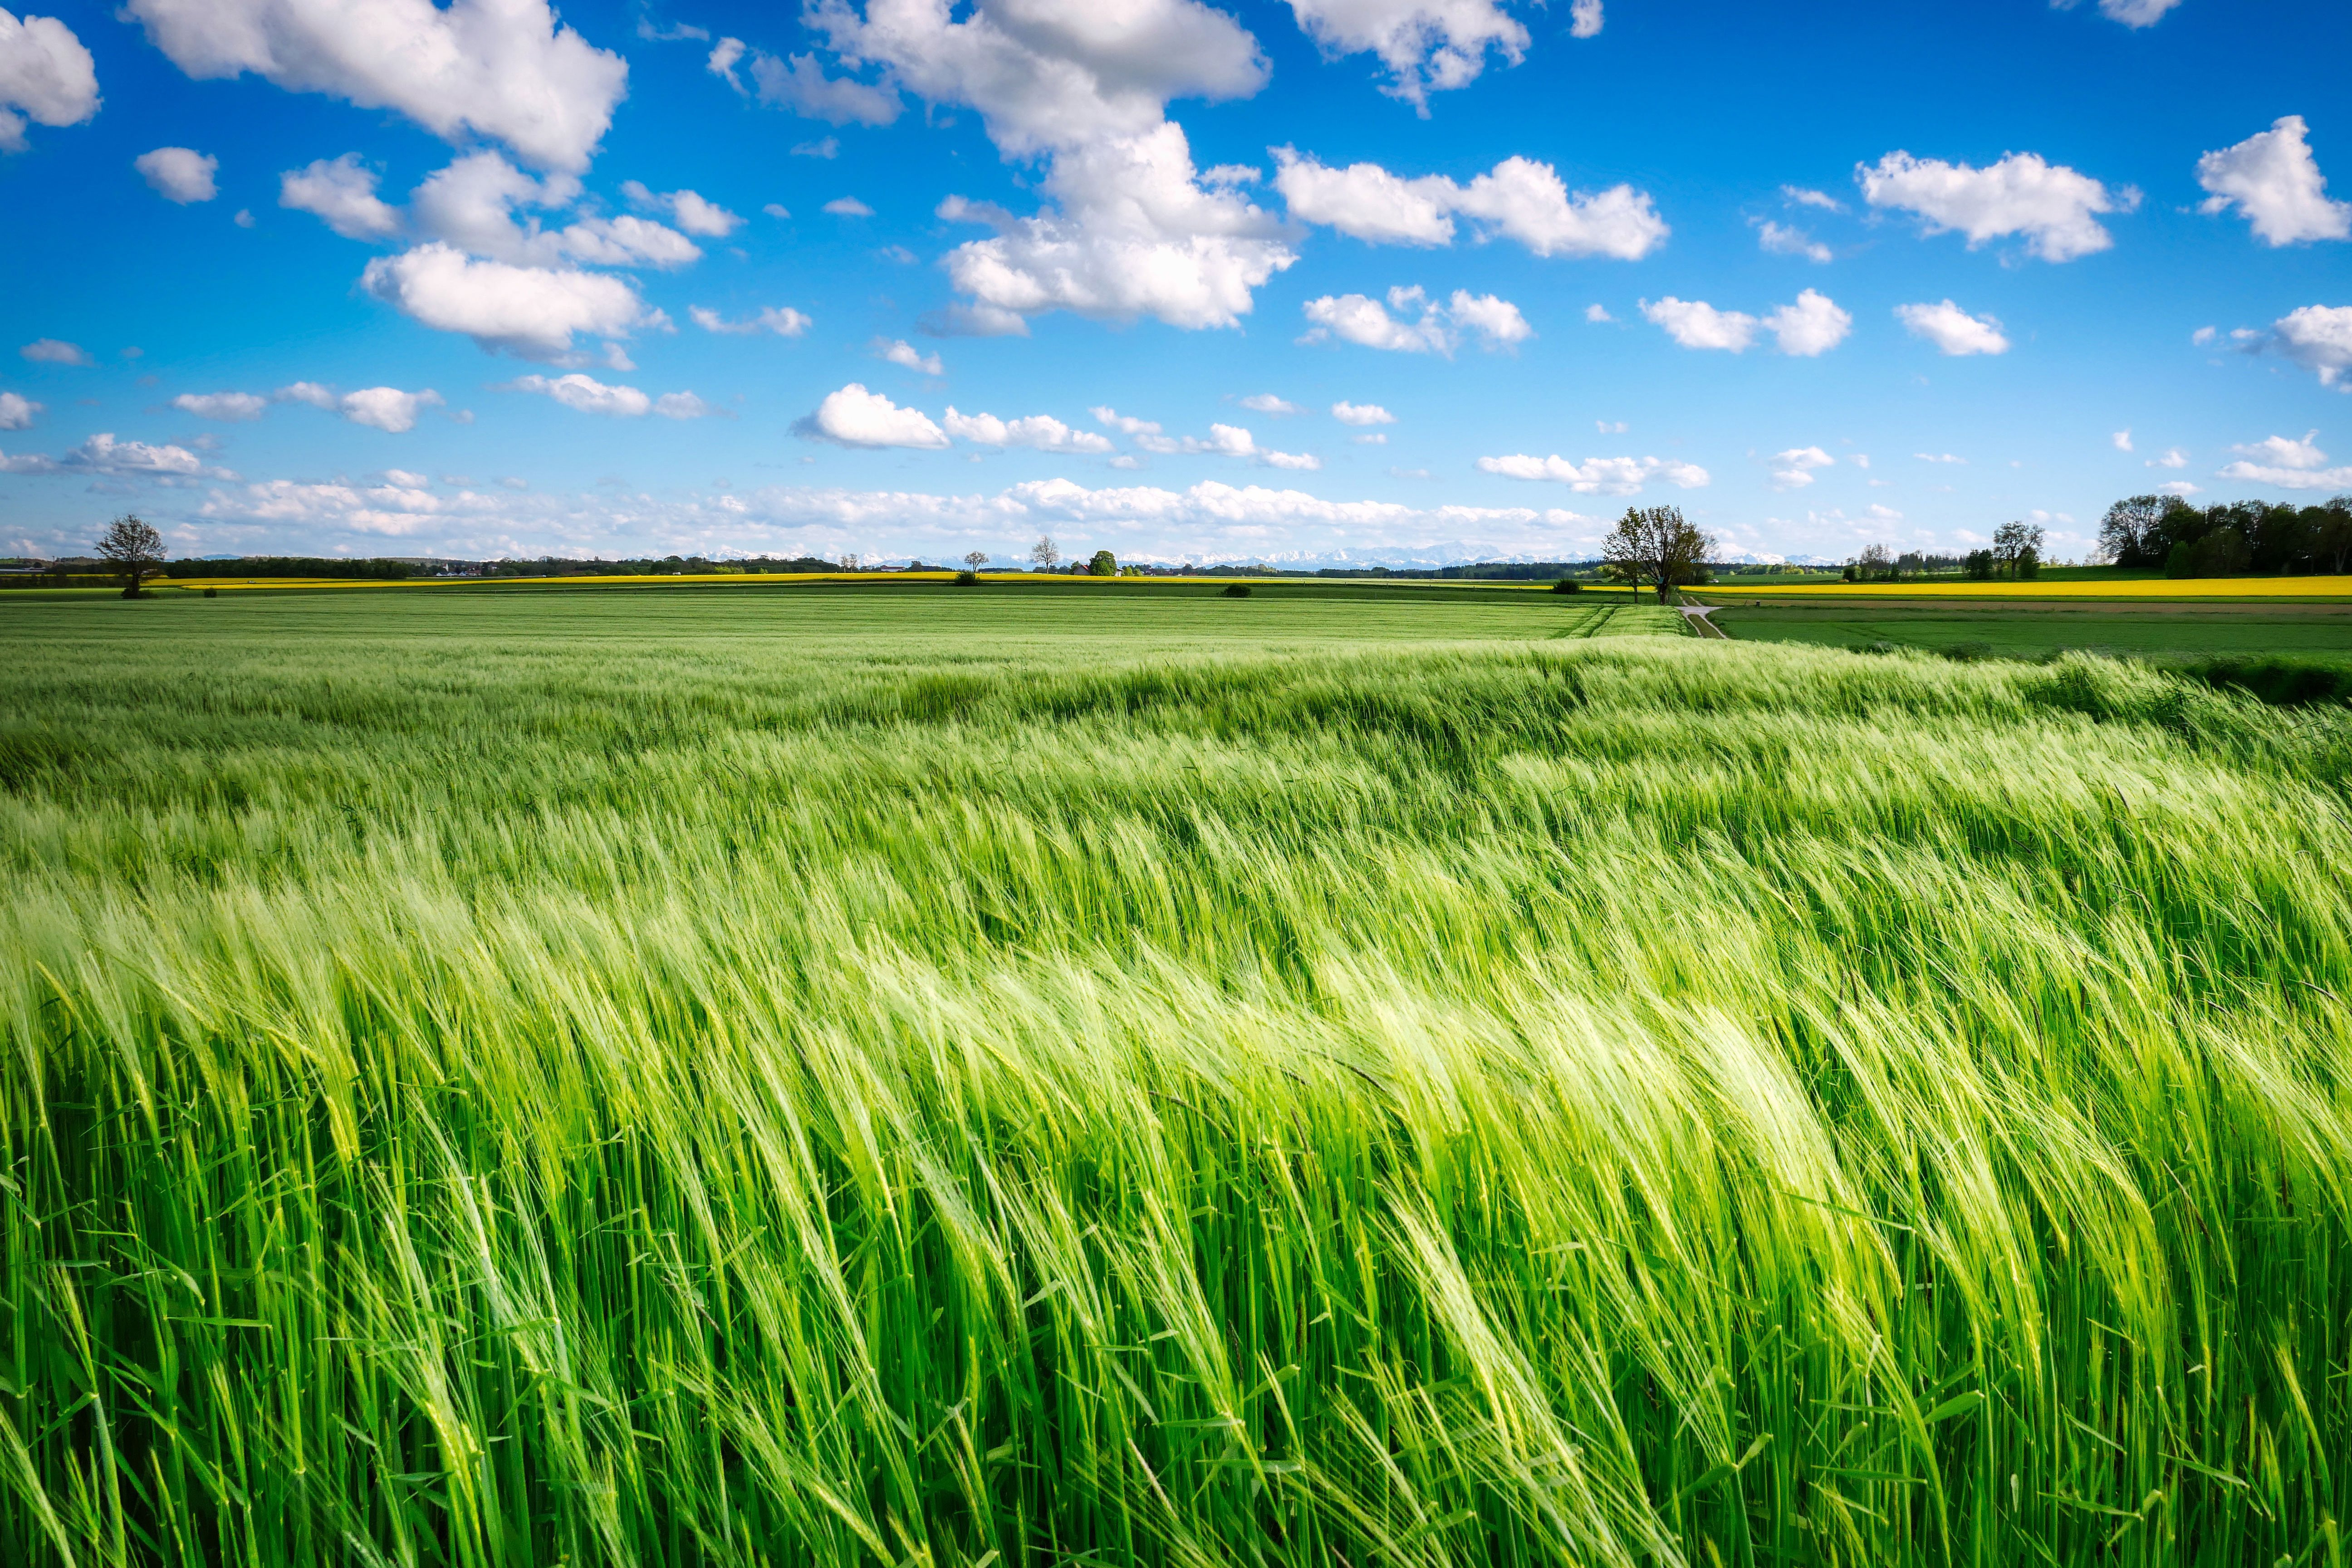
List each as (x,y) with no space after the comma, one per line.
(1381,279)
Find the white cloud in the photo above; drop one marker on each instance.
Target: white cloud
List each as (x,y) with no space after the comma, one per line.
(777,209)
(526,310)
(500,68)
(1135,235)
(223,405)
(2053,206)
(1938,457)
(309,391)
(1127,424)
(1375,439)
(899,352)
(387,407)
(1268,402)
(801,86)
(2319,338)
(849,207)
(1799,195)
(1348,412)
(1782,240)
(691,211)
(823,147)
(1584,19)
(2123,441)
(722,60)
(1129,229)
(1041,431)
(1952,330)
(103,454)
(1615,427)
(2275,181)
(854,416)
(1794,468)
(2281,452)
(341,192)
(1518,198)
(51,351)
(1598,313)
(17,412)
(471,204)
(587,394)
(2180,488)
(1599,476)
(2287,464)
(2173,458)
(1810,327)
(2130,13)
(1428,46)
(1297,460)
(1695,325)
(45,75)
(1440,327)
(179,174)
(781,319)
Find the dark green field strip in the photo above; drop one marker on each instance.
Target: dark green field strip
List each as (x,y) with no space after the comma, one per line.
(2168,632)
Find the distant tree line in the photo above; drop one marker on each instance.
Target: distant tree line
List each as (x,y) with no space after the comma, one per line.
(2228,539)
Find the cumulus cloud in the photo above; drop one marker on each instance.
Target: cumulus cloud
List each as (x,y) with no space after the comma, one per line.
(179,174)
(46,77)
(723,59)
(103,454)
(800,85)
(52,350)
(1519,199)
(1041,431)
(1793,469)
(781,319)
(854,416)
(904,354)
(690,212)
(2275,184)
(1809,327)
(1584,19)
(2287,464)
(472,203)
(499,68)
(849,207)
(1599,476)
(586,395)
(2318,337)
(1129,228)
(341,192)
(1799,195)
(2123,441)
(1597,315)
(2130,13)
(2054,208)
(1783,241)
(526,310)
(223,405)
(387,409)
(1438,328)
(17,412)
(1268,402)
(1428,46)
(1348,412)
(2173,458)
(1952,330)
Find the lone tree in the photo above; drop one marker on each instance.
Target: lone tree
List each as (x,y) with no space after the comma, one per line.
(135,549)
(1655,544)
(975,560)
(2017,549)
(1046,554)
(1104,565)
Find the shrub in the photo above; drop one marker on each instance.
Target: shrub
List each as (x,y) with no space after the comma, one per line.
(1968,652)
(1568,585)
(967,579)
(212,592)
(1237,590)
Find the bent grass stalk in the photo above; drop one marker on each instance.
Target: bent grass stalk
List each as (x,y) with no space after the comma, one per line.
(1622,1102)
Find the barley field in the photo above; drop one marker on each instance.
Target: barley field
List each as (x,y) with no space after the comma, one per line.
(779,1077)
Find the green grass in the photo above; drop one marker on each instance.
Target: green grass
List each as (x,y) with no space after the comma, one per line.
(777,1078)
(2042,629)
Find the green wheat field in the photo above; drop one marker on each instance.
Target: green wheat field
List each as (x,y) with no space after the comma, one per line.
(965,1077)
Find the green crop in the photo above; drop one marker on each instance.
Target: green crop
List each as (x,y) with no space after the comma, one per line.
(781,1080)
